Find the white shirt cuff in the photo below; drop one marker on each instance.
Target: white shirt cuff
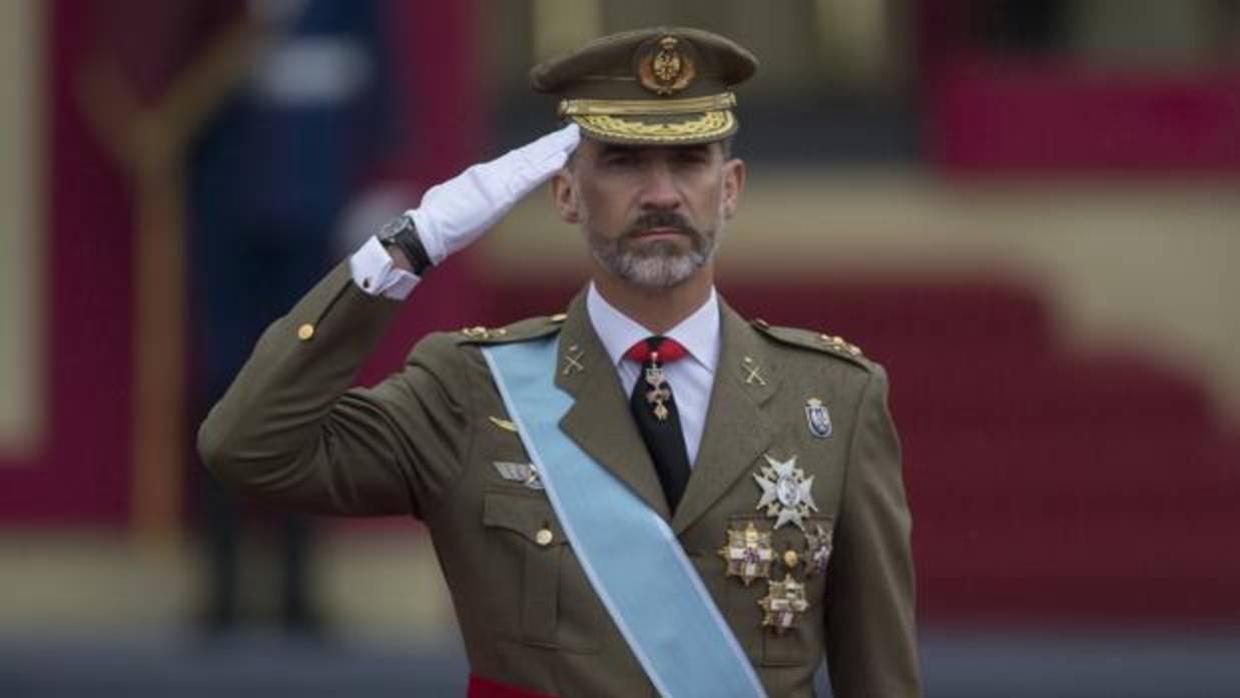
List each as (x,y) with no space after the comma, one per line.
(374,272)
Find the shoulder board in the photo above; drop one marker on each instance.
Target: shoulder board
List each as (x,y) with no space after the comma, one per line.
(520,331)
(818,341)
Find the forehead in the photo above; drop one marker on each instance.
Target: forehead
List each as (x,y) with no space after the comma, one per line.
(596,147)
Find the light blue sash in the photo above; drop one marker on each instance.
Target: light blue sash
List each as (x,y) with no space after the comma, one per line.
(628,552)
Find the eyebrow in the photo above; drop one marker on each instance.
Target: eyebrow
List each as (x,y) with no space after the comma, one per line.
(617,149)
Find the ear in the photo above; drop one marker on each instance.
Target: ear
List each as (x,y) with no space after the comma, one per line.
(564,195)
(733,185)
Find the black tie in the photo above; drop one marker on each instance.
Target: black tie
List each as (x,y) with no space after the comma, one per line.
(654,408)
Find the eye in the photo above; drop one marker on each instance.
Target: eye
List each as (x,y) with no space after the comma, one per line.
(692,156)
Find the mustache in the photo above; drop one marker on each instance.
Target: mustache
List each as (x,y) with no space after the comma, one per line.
(662,219)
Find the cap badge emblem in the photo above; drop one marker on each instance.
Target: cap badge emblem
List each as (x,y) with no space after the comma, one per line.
(665,69)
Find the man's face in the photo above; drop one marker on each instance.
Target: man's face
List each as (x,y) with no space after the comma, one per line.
(652,215)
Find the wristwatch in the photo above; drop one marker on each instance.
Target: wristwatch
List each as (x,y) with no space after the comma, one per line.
(401,233)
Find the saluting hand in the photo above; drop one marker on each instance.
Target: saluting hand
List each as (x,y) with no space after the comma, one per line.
(455,213)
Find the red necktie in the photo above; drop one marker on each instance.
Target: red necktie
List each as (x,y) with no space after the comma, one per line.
(654,410)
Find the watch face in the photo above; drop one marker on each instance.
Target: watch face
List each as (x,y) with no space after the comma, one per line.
(393,227)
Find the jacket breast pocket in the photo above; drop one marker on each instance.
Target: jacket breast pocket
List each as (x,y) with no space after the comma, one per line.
(557,609)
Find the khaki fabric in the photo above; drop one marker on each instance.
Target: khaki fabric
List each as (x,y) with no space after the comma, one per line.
(293,431)
(653,86)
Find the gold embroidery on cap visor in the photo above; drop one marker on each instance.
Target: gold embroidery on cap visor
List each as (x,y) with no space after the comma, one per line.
(646,107)
(662,129)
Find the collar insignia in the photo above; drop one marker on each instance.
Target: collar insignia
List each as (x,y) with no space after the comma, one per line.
(572,360)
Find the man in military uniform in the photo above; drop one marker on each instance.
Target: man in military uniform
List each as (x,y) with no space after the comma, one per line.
(645,494)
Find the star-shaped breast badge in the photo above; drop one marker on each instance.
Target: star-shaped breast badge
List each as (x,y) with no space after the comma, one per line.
(748,553)
(784,603)
(786,494)
(817,550)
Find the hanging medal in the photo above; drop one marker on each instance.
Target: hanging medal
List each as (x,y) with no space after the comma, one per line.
(658,395)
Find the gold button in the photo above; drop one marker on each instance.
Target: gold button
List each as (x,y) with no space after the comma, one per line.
(544,537)
(791,559)
(305,332)
(559,317)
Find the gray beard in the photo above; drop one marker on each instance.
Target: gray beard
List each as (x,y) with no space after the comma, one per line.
(657,265)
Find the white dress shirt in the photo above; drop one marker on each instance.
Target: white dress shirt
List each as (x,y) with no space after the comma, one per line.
(374,272)
(691,378)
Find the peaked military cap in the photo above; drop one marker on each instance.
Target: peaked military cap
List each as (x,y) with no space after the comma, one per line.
(657,86)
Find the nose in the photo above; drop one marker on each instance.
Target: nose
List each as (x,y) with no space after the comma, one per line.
(659,191)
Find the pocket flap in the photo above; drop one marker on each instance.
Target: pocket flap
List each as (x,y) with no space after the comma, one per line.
(530,517)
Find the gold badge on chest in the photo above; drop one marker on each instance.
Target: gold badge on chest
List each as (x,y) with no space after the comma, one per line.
(784,604)
(748,553)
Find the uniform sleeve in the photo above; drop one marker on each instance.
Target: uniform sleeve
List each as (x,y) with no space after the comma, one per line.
(291,431)
(871,634)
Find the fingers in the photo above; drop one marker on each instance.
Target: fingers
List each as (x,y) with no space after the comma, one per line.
(552,150)
(456,212)
(530,165)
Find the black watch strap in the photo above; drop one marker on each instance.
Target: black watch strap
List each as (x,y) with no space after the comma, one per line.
(402,233)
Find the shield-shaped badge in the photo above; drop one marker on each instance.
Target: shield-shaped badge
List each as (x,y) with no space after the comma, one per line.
(818,417)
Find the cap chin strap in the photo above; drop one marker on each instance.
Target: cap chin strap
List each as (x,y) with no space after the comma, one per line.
(646,107)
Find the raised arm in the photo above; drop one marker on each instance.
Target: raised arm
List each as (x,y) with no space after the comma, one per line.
(290,430)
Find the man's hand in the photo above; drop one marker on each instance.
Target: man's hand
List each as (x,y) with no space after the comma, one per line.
(457,212)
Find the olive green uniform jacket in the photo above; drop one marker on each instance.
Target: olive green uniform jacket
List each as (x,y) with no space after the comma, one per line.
(424,442)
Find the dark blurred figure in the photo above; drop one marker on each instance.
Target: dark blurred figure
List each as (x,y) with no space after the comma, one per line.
(263,117)
(268,179)
(1227,37)
(1023,26)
